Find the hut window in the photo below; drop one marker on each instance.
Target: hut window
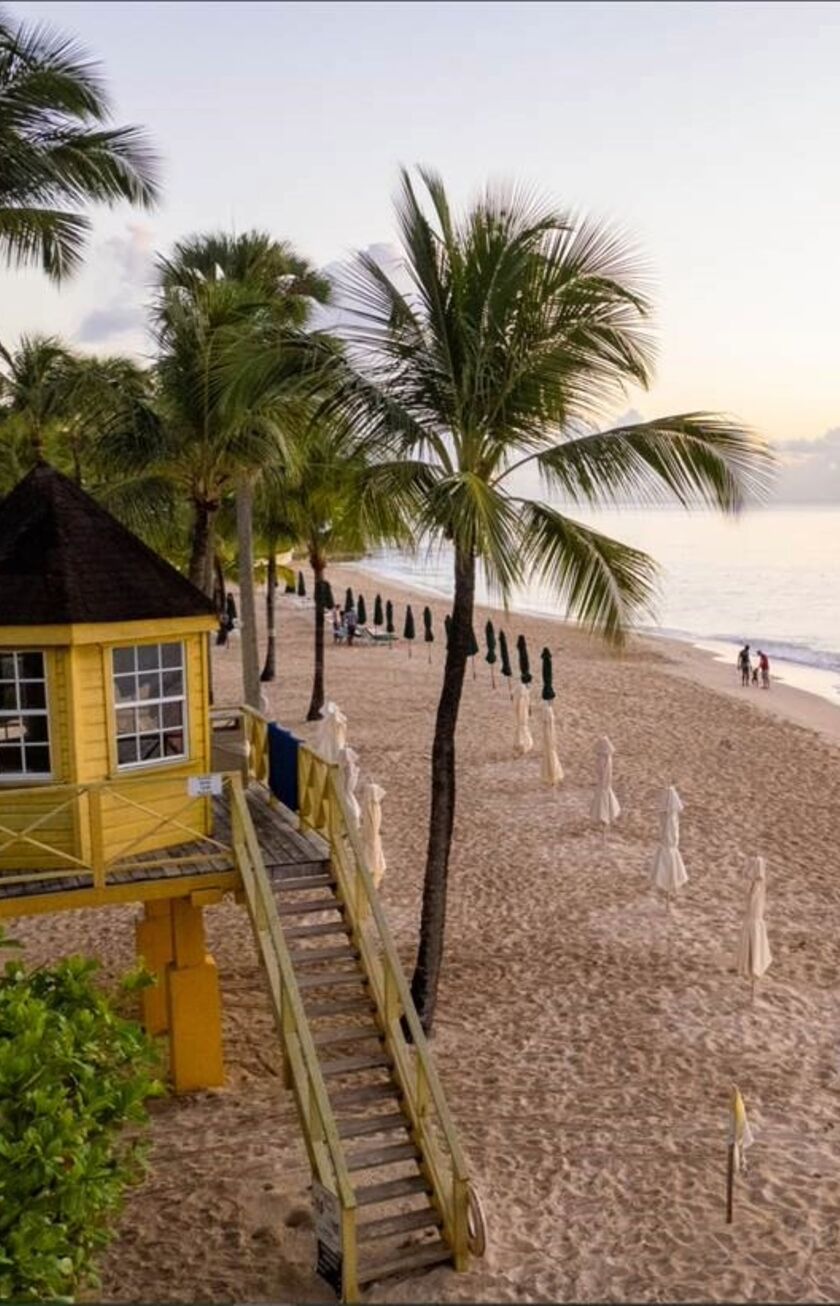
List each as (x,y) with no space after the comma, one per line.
(24,723)
(149,703)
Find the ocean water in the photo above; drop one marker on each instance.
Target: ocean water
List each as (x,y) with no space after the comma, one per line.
(770,578)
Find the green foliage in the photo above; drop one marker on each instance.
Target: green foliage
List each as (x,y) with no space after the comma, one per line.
(74,1072)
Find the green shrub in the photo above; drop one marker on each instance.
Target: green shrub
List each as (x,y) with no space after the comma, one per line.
(74,1072)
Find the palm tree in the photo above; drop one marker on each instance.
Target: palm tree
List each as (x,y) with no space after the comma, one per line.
(513,329)
(58,153)
(34,393)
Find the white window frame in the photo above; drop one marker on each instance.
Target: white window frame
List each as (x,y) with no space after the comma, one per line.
(136,704)
(36,777)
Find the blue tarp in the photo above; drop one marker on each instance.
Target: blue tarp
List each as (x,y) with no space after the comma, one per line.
(283,765)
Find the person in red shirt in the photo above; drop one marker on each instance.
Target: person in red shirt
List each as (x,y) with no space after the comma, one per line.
(764,668)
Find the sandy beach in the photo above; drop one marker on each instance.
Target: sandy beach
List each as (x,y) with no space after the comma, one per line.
(586,1039)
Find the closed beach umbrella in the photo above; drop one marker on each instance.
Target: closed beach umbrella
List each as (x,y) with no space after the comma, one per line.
(605,808)
(348,600)
(323,592)
(332,732)
(551,772)
(524,665)
(378,618)
(447,625)
(505,668)
(372,796)
(428,633)
(408,628)
(389,617)
(361,610)
(348,765)
(522,739)
(753,957)
(290,589)
(473,649)
(547,673)
(668,872)
(490,656)
(301,588)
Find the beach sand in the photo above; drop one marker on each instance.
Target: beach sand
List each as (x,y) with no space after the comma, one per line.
(586,1038)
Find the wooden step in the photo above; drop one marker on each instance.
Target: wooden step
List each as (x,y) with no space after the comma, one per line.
(301,882)
(304,908)
(324,954)
(350,1034)
(340,1008)
(345,1065)
(356,1128)
(373,1194)
(387,1154)
(329,977)
(426,1218)
(307,931)
(400,1262)
(363,1094)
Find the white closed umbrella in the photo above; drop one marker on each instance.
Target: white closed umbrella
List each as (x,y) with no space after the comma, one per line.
(753,956)
(348,765)
(551,772)
(668,871)
(372,796)
(523,740)
(605,806)
(332,732)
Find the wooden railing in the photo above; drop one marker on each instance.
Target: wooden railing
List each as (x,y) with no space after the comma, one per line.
(252,728)
(301,1065)
(323,808)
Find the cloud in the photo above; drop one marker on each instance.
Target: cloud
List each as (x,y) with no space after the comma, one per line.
(123,273)
(809,470)
(103,324)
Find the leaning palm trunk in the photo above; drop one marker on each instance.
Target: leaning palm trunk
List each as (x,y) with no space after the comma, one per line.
(247,597)
(424,983)
(316,702)
(269,670)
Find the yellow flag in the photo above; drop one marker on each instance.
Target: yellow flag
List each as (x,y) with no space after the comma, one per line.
(740,1133)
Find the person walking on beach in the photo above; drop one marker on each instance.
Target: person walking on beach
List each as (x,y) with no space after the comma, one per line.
(350,622)
(764,668)
(744,664)
(336,625)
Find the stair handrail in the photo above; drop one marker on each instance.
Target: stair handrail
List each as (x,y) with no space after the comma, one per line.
(301,1064)
(420,1084)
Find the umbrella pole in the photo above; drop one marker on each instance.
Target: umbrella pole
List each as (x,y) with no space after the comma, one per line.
(492,678)
(730,1180)
(430,655)
(473,667)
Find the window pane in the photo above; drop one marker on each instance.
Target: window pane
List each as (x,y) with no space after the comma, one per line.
(148,685)
(173,714)
(11,729)
(170,655)
(11,760)
(148,657)
(33,694)
(126,721)
(149,747)
(31,666)
(125,688)
(126,751)
(148,718)
(173,743)
(173,684)
(35,729)
(38,759)
(8,698)
(7,666)
(123,660)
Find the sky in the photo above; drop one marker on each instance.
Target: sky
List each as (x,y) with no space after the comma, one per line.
(707,132)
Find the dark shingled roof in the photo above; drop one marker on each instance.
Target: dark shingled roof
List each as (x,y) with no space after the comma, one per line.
(64,559)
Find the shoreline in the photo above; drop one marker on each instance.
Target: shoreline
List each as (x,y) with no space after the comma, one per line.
(807,708)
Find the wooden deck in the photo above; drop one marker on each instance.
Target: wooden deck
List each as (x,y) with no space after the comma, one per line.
(159,874)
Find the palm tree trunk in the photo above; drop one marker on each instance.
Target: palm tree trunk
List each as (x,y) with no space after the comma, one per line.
(269,671)
(201,553)
(316,702)
(247,596)
(424,982)
(219,587)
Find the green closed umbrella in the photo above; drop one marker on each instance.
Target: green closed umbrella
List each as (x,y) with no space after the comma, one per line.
(361,610)
(378,619)
(490,656)
(428,633)
(389,621)
(524,665)
(301,589)
(327,600)
(408,628)
(473,649)
(505,657)
(547,671)
(348,600)
(447,622)
(290,589)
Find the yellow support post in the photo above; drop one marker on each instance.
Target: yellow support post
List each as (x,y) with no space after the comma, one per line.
(195,1008)
(153,936)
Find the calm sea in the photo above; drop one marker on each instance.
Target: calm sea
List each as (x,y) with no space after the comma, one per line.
(771,578)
